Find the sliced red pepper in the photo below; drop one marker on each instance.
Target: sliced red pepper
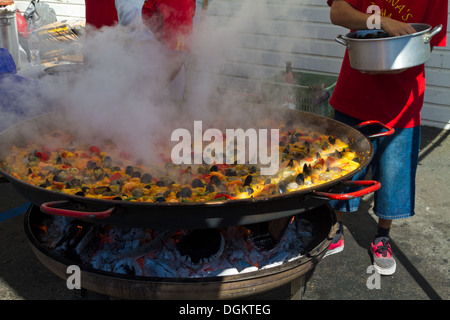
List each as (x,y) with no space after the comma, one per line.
(43,156)
(115,176)
(223,195)
(94,149)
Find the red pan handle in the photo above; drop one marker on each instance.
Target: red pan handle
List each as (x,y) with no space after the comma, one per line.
(372,187)
(389,131)
(52,208)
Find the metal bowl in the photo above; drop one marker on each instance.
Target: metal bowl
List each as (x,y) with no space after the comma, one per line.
(368,53)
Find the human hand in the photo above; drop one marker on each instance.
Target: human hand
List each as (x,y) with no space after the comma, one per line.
(396,28)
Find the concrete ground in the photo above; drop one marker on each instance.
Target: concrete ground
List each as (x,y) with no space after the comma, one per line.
(420,245)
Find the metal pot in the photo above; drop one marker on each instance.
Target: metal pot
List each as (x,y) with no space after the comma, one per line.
(388,53)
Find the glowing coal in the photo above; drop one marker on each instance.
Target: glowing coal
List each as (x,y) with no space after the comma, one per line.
(173,253)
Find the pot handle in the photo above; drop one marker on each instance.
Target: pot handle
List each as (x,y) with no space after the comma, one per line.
(389,131)
(52,208)
(372,187)
(340,39)
(432,33)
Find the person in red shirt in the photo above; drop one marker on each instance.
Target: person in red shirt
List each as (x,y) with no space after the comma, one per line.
(393,98)
(170,21)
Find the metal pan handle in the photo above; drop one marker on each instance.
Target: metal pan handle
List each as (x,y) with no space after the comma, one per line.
(52,208)
(389,131)
(372,187)
(340,39)
(432,33)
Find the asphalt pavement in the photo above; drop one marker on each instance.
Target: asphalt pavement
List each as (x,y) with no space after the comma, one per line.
(420,245)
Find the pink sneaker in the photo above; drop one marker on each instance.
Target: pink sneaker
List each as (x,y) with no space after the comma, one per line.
(383,261)
(335,247)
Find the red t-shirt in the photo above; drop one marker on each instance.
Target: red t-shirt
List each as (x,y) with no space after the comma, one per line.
(170,20)
(394,99)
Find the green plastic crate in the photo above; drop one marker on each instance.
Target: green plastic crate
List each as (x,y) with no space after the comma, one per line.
(305,93)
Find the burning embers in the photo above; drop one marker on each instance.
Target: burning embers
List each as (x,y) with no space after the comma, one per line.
(175,253)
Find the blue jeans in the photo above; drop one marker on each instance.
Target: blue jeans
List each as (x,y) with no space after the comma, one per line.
(394,165)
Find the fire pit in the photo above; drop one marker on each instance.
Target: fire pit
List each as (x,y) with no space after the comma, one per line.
(226,263)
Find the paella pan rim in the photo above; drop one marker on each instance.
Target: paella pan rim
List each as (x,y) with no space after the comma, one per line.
(327,186)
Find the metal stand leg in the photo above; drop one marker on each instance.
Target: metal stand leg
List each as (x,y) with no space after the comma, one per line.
(298,288)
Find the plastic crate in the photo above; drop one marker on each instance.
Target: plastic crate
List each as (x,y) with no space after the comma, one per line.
(310,91)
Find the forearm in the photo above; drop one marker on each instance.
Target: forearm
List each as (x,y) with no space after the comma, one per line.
(343,14)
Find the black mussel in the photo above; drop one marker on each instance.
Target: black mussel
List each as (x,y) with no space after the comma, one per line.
(185,192)
(331,139)
(75,182)
(293,139)
(282,187)
(99,173)
(29,171)
(230,172)
(160,183)
(107,162)
(91,165)
(215,180)
(338,154)
(210,188)
(268,181)
(85,189)
(253,169)
(286,150)
(290,163)
(136,174)
(61,176)
(146,178)
(307,170)
(356,159)
(197,183)
(160,199)
(137,193)
(117,198)
(249,191)
(281,143)
(300,179)
(58,160)
(101,190)
(248,180)
(80,193)
(166,193)
(116,188)
(129,170)
(115,168)
(214,168)
(318,156)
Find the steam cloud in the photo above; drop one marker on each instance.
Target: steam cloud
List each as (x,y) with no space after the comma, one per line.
(122,94)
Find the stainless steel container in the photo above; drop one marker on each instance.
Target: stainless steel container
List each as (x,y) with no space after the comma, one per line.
(9,37)
(388,53)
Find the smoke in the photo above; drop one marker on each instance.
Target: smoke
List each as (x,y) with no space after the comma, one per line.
(123,93)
